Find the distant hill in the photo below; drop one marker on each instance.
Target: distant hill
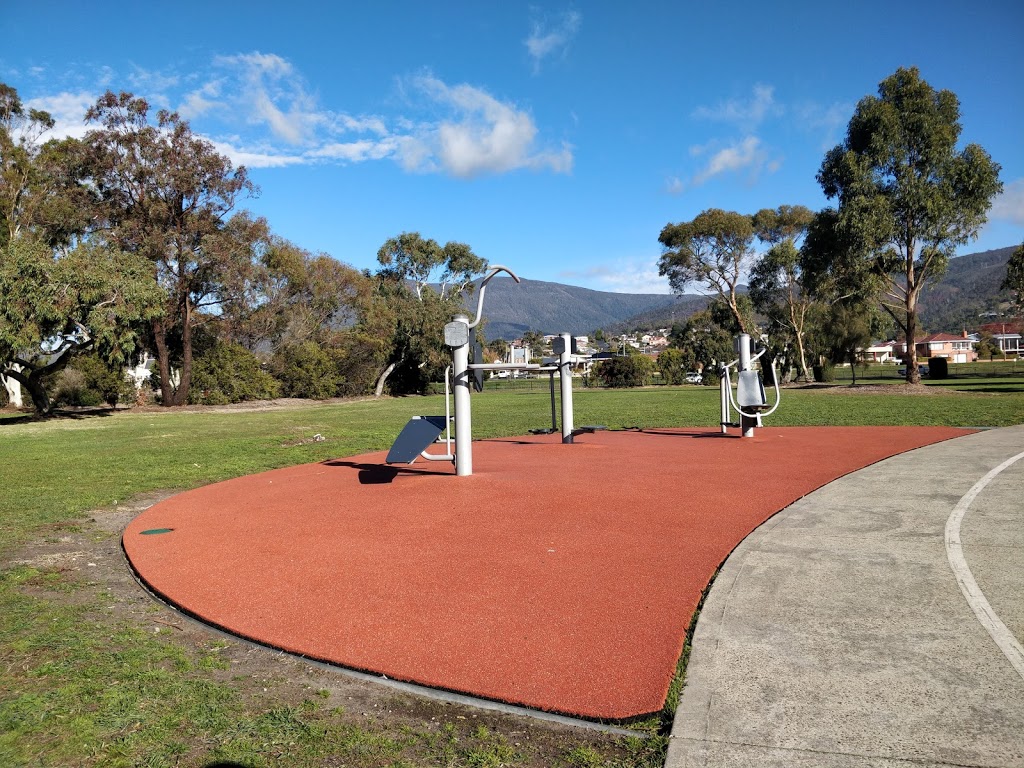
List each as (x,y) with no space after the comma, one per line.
(969,288)
(511,309)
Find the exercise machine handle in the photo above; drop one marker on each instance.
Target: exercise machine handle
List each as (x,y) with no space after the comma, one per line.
(495,269)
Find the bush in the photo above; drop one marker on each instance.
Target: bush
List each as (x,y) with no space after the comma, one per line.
(938,368)
(88,381)
(824,373)
(307,370)
(628,371)
(671,364)
(230,373)
(69,388)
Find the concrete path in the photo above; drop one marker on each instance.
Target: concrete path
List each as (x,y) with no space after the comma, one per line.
(838,634)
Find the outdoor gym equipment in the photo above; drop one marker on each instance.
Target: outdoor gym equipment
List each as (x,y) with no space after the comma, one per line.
(750,401)
(423,431)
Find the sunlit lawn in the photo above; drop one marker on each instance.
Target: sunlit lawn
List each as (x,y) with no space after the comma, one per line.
(56,704)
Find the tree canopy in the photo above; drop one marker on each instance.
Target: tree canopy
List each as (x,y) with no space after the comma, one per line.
(712,251)
(777,286)
(166,195)
(63,290)
(1014,280)
(906,198)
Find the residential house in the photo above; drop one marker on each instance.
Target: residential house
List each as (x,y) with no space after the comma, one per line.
(1008,336)
(956,349)
(881,352)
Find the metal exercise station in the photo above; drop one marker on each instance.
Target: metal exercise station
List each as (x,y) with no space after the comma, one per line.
(750,401)
(421,432)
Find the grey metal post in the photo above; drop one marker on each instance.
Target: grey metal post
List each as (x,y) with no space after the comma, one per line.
(463,410)
(723,395)
(554,412)
(565,379)
(747,423)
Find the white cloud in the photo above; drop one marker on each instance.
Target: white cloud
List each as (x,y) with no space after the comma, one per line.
(483,135)
(272,94)
(356,151)
(745,114)
(747,154)
(155,85)
(548,39)
(258,110)
(68,111)
(1009,206)
(252,158)
(674,185)
(625,276)
(828,121)
(202,101)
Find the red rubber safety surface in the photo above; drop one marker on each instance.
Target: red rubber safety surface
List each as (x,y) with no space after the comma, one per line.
(559,577)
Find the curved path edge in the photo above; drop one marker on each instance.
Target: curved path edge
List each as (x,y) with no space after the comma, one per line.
(836,634)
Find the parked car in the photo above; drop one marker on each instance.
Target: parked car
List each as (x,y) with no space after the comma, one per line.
(692,377)
(921,369)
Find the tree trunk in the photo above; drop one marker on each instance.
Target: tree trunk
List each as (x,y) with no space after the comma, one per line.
(379,388)
(34,381)
(181,396)
(913,377)
(798,331)
(34,386)
(734,306)
(164,360)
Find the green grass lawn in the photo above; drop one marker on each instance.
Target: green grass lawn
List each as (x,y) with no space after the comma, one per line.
(80,685)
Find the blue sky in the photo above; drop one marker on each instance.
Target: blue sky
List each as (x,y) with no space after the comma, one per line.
(557,139)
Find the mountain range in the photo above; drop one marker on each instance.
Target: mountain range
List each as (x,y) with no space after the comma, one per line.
(969,289)
(511,309)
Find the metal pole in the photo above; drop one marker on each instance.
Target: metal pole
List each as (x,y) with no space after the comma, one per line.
(463,413)
(554,413)
(723,383)
(747,424)
(565,379)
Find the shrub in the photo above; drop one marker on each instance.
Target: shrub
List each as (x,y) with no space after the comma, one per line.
(230,373)
(307,370)
(824,372)
(671,364)
(938,368)
(108,381)
(709,376)
(69,388)
(89,381)
(628,371)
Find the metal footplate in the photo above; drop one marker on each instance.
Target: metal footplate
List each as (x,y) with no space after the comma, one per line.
(416,436)
(586,429)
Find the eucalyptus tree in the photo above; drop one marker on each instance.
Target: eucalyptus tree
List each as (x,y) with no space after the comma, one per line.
(63,291)
(906,198)
(168,196)
(777,280)
(713,252)
(410,322)
(58,304)
(1014,280)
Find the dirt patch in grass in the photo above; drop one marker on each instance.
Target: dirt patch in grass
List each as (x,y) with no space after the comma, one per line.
(874,389)
(82,564)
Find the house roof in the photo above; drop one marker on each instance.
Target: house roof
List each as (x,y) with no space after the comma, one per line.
(1016,325)
(940,337)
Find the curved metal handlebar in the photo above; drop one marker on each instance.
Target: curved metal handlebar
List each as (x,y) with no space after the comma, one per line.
(495,269)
